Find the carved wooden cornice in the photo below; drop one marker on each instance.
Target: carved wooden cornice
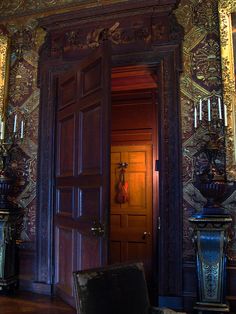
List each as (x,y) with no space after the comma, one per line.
(17,8)
(133,23)
(110,10)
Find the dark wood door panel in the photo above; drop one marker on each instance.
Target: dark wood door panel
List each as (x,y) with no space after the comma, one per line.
(65,146)
(67,92)
(91,76)
(90,132)
(89,202)
(84,224)
(65,198)
(64,259)
(85,202)
(91,252)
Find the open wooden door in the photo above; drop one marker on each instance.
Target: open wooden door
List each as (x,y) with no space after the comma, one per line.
(82,169)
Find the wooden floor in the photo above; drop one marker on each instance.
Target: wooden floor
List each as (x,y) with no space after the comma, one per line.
(29,303)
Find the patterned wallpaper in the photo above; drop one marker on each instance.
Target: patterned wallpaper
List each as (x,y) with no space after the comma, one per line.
(201,75)
(200,78)
(24,101)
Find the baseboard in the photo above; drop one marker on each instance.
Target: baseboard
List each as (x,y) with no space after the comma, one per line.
(175,303)
(36,287)
(189,301)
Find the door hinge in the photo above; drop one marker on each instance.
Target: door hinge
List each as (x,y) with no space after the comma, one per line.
(157,165)
(159,223)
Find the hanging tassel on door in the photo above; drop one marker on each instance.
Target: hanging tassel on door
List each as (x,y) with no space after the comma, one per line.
(122,186)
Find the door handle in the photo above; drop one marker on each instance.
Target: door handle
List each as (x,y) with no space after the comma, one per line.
(146,235)
(97,229)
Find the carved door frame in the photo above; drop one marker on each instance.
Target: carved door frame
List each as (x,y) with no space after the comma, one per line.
(164,50)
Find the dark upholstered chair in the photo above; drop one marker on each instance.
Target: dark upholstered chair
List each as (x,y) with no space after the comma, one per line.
(115,289)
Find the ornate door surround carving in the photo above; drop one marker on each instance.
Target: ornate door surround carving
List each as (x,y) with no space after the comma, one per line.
(141,32)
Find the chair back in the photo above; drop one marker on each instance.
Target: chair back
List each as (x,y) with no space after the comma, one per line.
(115,289)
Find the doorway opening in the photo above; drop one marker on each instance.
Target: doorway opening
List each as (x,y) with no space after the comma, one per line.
(134,144)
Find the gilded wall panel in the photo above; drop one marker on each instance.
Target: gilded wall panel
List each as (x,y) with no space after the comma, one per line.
(4,68)
(228,53)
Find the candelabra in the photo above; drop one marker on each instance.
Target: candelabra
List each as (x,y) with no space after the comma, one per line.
(8,140)
(211,115)
(9,212)
(210,226)
(212,107)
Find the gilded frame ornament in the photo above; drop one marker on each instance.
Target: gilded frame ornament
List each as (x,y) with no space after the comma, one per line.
(4,71)
(226,7)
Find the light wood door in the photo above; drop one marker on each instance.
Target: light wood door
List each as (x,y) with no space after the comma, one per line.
(82,168)
(131,222)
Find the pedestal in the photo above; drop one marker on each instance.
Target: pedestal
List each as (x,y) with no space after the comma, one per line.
(210,239)
(8,270)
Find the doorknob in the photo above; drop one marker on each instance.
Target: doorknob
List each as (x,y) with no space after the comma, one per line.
(97,229)
(146,235)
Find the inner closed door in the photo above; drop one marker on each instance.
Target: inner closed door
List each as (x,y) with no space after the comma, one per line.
(131,220)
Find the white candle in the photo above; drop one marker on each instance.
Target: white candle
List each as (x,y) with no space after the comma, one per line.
(209,109)
(2,131)
(200,110)
(195,117)
(225,115)
(22,129)
(14,126)
(219,108)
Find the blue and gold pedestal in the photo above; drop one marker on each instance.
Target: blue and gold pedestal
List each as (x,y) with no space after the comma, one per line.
(8,269)
(210,238)
(9,216)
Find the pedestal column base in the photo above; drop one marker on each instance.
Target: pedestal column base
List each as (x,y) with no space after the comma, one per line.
(211,307)
(210,238)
